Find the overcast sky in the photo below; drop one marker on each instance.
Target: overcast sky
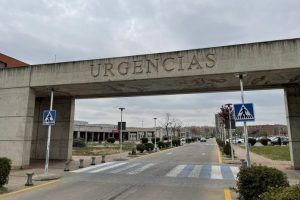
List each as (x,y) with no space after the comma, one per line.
(35,31)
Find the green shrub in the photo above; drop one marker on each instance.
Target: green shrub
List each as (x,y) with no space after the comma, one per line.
(227,149)
(153,140)
(149,147)
(282,193)
(188,140)
(252,141)
(255,180)
(5,167)
(167,144)
(78,142)
(161,145)
(176,142)
(133,151)
(111,140)
(221,143)
(264,141)
(144,140)
(140,148)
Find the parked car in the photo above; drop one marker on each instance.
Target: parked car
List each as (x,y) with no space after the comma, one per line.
(278,140)
(182,141)
(203,139)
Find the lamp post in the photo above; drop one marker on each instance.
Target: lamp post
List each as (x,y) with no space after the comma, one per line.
(230,133)
(121,139)
(155,147)
(241,77)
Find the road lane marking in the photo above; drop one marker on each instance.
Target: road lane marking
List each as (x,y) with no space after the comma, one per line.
(169,153)
(216,172)
(195,173)
(108,167)
(174,172)
(235,171)
(227,194)
(139,170)
(185,172)
(93,167)
(227,173)
(28,189)
(125,168)
(205,172)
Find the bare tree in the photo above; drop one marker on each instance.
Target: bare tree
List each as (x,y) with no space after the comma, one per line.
(176,126)
(166,124)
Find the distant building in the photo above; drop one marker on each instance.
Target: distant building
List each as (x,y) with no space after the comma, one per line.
(9,62)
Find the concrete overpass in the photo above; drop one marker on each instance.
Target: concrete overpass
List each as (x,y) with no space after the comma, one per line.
(24,91)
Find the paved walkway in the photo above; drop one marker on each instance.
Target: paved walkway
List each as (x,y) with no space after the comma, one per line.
(285,166)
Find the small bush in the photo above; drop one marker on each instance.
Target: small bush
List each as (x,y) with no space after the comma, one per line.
(111,140)
(227,149)
(140,148)
(252,141)
(78,142)
(176,142)
(149,147)
(188,140)
(144,140)
(220,143)
(165,137)
(264,141)
(133,151)
(5,167)
(153,140)
(167,144)
(255,180)
(282,193)
(161,145)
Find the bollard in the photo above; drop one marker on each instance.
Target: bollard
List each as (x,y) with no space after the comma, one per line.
(81,163)
(67,166)
(244,163)
(103,158)
(29,179)
(93,161)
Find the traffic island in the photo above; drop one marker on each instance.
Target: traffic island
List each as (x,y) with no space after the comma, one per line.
(46,177)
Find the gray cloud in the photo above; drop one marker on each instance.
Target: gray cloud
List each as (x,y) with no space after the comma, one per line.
(35,31)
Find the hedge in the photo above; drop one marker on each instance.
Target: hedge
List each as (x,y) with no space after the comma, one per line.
(282,193)
(153,140)
(255,180)
(176,142)
(264,141)
(144,140)
(149,147)
(161,145)
(227,149)
(252,141)
(140,148)
(111,140)
(5,167)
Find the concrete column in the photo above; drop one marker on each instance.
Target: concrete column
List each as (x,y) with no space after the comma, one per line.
(93,134)
(62,132)
(78,134)
(86,137)
(98,137)
(292,104)
(16,123)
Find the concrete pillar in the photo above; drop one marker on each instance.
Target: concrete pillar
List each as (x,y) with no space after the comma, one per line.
(292,104)
(78,134)
(93,134)
(16,122)
(98,137)
(62,132)
(86,137)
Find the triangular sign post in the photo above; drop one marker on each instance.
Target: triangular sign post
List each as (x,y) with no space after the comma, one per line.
(244,112)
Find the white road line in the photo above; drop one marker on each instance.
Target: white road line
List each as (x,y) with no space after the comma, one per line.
(169,153)
(174,172)
(92,167)
(216,172)
(195,173)
(235,171)
(125,168)
(139,170)
(108,167)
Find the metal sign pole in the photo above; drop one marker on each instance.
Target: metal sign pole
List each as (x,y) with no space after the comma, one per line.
(155,147)
(241,76)
(121,137)
(49,136)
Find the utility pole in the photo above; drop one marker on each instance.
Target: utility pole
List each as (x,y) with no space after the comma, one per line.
(49,134)
(230,132)
(121,137)
(155,147)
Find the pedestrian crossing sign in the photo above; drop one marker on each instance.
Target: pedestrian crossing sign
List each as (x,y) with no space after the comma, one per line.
(244,112)
(49,117)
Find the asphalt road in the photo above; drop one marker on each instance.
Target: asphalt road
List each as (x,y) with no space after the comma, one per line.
(188,172)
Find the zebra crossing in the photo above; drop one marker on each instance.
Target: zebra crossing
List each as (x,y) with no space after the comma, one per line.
(219,172)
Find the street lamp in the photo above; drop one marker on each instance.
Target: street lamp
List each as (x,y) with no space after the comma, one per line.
(121,129)
(155,147)
(241,77)
(230,133)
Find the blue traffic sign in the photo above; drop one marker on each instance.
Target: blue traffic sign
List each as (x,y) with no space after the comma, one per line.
(244,112)
(49,117)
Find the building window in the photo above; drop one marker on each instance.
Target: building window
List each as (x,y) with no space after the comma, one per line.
(2,65)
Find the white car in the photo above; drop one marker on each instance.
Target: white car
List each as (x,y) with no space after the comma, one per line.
(182,141)
(203,139)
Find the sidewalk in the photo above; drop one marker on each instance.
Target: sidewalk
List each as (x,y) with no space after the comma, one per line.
(284,166)
(17,178)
